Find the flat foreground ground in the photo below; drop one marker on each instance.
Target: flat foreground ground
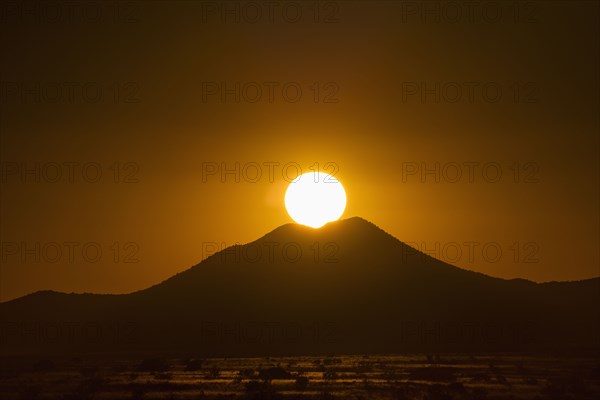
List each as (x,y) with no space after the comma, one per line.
(336,377)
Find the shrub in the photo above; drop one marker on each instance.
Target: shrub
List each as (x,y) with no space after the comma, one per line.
(274,373)
(301,382)
(153,365)
(253,386)
(193,365)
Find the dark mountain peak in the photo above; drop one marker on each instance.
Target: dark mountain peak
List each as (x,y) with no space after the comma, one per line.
(356,220)
(349,275)
(288,231)
(353,250)
(343,230)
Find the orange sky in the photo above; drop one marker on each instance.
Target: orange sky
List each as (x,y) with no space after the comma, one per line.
(379,100)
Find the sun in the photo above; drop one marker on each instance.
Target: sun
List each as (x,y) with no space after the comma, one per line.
(315,198)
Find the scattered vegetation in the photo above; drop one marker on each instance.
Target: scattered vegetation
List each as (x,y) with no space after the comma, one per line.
(305,378)
(193,365)
(153,365)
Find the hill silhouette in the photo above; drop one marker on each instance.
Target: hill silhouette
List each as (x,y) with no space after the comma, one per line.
(347,288)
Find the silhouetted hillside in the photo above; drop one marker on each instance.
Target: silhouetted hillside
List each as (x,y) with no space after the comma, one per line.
(348,287)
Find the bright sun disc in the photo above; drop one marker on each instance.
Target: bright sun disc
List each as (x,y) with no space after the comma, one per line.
(315,198)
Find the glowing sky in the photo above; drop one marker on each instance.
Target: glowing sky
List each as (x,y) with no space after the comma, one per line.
(417,117)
